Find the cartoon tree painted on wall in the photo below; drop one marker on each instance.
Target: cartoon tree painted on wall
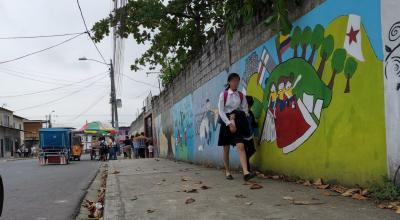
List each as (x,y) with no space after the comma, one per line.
(168,132)
(296,37)
(338,59)
(325,53)
(316,40)
(349,70)
(305,40)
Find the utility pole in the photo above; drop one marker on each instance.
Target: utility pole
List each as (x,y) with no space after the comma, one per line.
(50,121)
(114,108)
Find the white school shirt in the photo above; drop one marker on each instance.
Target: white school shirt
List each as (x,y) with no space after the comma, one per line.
(233,102)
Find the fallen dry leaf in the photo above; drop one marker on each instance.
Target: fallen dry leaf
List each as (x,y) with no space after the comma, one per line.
(350,192)
(318,182)
(190,190)
(204,187)
(307,183)
(326,193)
(382,206)
(307,203)
(240,196)
(255,186)
(358,196)
(185,179)
(365,192)
(189,200)
(288,198)
(339,189)
(115,172)
(150,210)
(300,181)
(249,203)
(262,176)
(323,186)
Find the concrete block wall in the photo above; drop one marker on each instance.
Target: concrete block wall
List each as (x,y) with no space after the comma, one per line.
(316,120)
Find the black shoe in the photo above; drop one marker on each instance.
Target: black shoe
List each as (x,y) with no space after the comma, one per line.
(229,177)
(249,176)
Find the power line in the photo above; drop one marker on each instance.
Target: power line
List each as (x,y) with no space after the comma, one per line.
(145,83)
(63,97)
(88,32)
(49,90)
(40,36)
(39,51)
(90,107)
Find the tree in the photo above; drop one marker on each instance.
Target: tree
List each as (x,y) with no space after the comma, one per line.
(294,44)
(316,40)
(349,70)
(178,29)
(338,59)
(326,52)
(305,40)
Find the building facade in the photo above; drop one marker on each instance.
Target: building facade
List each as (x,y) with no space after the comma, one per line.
(11,133)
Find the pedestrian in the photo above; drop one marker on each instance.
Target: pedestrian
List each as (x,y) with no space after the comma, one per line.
(128,144)
(249,141)
(25,151)
(151,150)
(136,146)
(142,145)
(103,148)
(233,111)
(19,152)
(114,149)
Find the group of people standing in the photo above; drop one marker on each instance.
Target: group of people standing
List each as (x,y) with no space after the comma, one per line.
(108,149)
(139,145)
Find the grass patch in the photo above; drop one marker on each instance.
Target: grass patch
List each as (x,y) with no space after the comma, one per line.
(385,191)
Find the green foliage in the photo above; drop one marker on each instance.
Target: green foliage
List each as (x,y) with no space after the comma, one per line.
(385,191)
(317,36)
(296,36)
(306,36)
(327,47)
(350,67)
(338,58)
(178,29)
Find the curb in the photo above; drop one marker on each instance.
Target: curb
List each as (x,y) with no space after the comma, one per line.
(113,209)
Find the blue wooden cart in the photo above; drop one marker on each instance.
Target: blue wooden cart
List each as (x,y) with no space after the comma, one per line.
(55,145)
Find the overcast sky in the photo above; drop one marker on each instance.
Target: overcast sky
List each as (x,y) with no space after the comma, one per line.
(59,67)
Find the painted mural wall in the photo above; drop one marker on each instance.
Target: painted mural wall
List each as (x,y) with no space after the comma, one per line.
(319,98)
(391,43)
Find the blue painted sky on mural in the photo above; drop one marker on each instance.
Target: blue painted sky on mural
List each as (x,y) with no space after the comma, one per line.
(324,14)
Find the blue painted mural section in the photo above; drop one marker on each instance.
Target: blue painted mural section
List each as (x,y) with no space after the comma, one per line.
(205,107)
(183,125)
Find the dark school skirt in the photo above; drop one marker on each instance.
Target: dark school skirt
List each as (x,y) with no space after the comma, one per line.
(226,137)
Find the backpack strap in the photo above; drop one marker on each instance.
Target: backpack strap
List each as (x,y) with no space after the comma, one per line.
(241,97)
(226,96)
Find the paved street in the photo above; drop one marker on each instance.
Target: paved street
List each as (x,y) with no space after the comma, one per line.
(44,192)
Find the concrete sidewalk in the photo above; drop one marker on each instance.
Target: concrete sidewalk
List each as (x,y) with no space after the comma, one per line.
(155,189)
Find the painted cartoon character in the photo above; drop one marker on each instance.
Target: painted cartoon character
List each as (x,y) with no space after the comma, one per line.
(208,125)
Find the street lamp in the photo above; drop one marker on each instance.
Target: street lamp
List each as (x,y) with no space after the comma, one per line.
(114,111)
